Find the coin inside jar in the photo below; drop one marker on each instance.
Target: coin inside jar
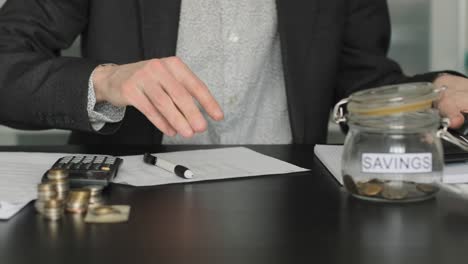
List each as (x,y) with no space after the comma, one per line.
(394,193)
(371,189)
(426,188)
(104,210)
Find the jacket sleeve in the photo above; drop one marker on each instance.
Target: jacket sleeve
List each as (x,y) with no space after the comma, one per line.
(38,88)
(366,39)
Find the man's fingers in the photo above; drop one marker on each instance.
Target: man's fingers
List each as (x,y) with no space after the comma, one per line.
(165,91)
(194,86)
(143,104)
(180,97)
(167,108)
(449,107)
(456,121)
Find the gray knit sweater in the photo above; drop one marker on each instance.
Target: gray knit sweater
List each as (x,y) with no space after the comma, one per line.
(234,47)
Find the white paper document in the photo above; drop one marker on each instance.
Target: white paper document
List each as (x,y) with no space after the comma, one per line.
(20,172)
(330,155)
(211,164)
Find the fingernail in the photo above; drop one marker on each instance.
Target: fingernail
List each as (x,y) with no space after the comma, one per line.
(219,115)
(171,133)
(188,133)
(200,126)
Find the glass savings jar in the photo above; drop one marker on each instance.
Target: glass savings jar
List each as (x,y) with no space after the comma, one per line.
(393,149)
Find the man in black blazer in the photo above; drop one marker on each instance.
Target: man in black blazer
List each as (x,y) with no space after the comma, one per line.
(329,48)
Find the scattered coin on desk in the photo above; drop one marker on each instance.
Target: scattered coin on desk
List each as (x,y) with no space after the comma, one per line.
(104,210)
(108,214)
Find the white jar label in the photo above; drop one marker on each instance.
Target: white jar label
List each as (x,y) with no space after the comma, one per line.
(396,163)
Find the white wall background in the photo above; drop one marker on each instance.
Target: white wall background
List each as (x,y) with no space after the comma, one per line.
(426,35)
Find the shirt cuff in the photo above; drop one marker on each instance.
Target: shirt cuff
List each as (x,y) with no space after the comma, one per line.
(101,113)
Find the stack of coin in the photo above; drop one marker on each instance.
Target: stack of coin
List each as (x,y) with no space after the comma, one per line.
(78,201)
(59,178)
(53,209)
(95,194)
(45,192)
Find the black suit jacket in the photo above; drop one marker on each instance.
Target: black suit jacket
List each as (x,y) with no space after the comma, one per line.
(330,48)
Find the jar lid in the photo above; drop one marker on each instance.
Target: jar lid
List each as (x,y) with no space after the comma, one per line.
(393,99)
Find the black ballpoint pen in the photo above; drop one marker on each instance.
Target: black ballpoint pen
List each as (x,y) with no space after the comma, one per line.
(178,170)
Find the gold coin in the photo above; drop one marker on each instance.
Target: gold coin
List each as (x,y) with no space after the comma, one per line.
(426,188)
(376,181)
(56,174)
(80,193)
(53,203)
(360,184)
(45,187)
(95,199)
(104,210)
(59,181)
(78,210)
(39,205)
(348,182)
(94,189)
(371,189)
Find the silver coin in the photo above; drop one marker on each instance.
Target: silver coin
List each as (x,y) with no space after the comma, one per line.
(394,193)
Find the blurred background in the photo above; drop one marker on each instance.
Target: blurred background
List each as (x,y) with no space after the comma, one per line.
(427,35)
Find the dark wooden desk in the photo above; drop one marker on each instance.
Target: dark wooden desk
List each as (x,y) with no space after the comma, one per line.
(302,218)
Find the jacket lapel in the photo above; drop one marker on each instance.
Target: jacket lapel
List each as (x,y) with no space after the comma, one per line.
(159,27)
(297,21)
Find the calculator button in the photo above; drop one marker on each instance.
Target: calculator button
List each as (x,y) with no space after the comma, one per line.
(59,166)
(77,159)
(88,159)
(67,166)
(110,160)
(96,166)
(66,159)
(75,166)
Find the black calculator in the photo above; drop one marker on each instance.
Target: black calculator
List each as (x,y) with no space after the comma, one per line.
(84,170)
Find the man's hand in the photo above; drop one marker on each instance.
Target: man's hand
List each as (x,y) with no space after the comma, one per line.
(164,90)
(454,100)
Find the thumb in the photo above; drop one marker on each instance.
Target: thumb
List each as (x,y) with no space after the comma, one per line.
(456,120)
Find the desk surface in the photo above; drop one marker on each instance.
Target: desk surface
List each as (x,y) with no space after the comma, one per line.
(301,218)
